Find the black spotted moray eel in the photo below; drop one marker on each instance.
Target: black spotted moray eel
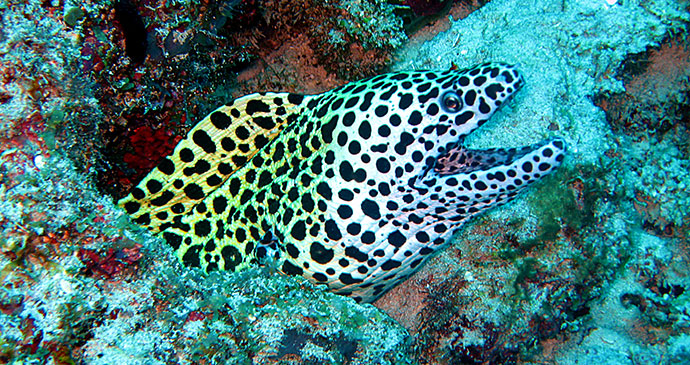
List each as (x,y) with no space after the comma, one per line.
(353,188)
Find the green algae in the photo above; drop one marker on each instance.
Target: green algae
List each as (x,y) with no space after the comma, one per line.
(567,199)
(554,203)
(73,15)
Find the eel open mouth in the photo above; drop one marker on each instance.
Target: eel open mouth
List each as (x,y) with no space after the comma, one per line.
(464,160)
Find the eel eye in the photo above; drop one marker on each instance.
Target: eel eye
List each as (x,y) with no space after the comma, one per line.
(450,101)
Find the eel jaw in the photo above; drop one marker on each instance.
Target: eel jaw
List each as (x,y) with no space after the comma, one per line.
(480,179)
(463,160)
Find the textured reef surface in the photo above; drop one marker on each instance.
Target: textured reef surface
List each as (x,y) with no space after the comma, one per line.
(591,265)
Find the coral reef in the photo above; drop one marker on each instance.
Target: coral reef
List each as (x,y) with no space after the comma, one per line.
(338,41)
(552,274)
(590,267)
(77,277)
(181,59)
(75,287)
(563,250)
(657,170)
(652,116)
(417,14)
(655,80)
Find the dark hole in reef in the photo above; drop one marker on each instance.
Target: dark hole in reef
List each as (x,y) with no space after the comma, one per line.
(636,300)
(671,289)
(133,29)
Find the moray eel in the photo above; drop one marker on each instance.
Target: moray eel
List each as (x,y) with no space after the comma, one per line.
(353,188)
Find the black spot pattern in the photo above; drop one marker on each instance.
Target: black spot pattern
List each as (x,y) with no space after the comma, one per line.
(220,120)
(369,178)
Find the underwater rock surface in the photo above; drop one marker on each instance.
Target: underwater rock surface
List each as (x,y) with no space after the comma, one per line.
(569,258)
(591,266)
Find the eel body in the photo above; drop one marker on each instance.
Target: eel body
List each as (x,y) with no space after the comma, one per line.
(353,188)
